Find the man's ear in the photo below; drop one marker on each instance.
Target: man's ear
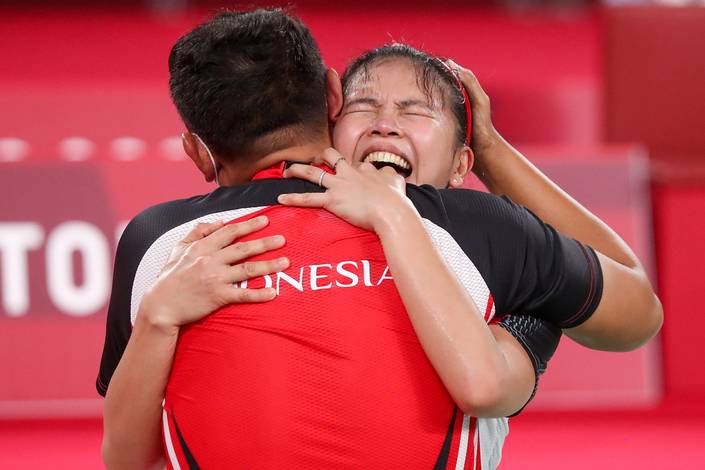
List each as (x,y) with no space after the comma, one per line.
(462,163)
(199,155)
(334,94)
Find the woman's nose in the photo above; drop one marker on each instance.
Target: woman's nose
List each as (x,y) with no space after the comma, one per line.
(385,126)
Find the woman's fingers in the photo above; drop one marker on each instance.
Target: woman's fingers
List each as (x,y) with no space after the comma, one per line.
(199,232)
(483,132)
(388,170)
(471,83)
(249,269)
(202,230)
(234,295)
(310,173)
(334,160)
(366,167)
(243,250)
(229,233)
(304,199)
(466,75)
(331,157)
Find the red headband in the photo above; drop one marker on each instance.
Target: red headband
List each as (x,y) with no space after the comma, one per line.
(466,97)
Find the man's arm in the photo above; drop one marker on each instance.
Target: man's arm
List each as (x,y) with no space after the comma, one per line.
(630,313)
(197,281)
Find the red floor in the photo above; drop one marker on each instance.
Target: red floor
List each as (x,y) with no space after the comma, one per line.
(537,441)
(621,440)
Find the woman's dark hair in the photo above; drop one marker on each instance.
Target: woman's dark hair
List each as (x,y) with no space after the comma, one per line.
(434,78)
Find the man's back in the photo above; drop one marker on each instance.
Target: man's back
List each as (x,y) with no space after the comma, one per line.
(330,374)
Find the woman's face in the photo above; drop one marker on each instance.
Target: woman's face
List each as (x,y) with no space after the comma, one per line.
(388,118)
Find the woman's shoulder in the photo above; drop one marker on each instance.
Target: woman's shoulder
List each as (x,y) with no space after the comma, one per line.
(449,206)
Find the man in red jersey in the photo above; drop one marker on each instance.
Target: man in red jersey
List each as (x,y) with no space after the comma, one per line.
(274,409)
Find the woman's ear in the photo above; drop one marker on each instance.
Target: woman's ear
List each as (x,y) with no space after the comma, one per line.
(462,163)
(334,94)
(198,155)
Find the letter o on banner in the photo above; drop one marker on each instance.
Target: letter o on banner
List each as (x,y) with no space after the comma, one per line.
(91,243)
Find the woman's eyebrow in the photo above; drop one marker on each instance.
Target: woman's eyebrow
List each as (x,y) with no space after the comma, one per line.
(364,100)
(410,103)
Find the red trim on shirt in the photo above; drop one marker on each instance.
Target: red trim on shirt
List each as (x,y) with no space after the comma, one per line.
(490,304)
(276,171)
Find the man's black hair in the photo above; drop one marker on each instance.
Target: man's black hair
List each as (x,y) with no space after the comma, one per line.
(249,83)
(434,79)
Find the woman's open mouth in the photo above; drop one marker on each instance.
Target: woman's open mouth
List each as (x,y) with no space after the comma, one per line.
(381,159)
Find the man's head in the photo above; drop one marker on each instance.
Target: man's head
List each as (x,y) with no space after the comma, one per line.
(248,84)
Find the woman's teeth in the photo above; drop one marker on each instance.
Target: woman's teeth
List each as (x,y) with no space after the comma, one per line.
(388,157)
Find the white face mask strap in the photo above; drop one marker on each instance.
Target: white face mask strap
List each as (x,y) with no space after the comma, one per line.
(210,155)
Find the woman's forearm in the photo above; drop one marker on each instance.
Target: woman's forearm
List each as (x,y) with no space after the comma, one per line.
(133,403)
(451,330)
(504,170)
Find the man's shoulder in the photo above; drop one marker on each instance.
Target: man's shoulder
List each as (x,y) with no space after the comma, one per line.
(159,218)
(151,222)
(167,209)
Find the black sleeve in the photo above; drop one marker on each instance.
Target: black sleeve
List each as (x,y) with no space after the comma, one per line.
(118,325)
(539,339)
(564,276)
(529,266)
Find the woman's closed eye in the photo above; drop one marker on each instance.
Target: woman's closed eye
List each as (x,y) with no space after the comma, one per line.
(417,112)
(359,109)
(416,108)
(361,105)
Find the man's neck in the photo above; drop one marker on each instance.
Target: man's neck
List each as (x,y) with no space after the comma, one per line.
(237,174)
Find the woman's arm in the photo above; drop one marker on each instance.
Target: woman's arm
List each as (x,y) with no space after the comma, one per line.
(487,375)
(196,281)
(616,326)
(486,371)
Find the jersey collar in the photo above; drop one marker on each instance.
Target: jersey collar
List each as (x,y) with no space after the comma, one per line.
(276,171)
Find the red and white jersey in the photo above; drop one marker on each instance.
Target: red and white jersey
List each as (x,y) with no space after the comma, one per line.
(330,374)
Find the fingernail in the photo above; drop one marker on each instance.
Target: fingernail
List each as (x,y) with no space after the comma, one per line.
(283,262)
(278,239)
(281,198)
(260,219)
